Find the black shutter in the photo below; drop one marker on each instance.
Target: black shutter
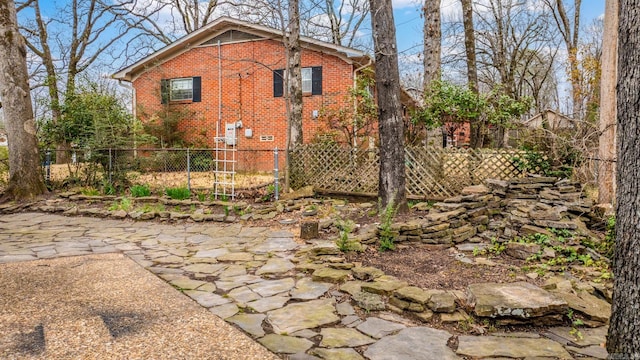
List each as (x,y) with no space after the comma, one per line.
(164,91)
(197,89)
(278,83)
(316,80)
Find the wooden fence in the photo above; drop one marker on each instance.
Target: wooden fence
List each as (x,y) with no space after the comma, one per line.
(432,173)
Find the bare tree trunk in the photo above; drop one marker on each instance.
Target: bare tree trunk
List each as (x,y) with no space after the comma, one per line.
(432,43)
(391,188)
(569,28)
(477,133)
(607,125)
(623,341)
(25,176)
(294,84)
(44,52)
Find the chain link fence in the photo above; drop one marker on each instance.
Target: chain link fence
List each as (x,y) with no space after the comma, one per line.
(162,168)
(4,167)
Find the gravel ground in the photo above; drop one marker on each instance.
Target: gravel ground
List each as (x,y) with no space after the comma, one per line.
(107,307)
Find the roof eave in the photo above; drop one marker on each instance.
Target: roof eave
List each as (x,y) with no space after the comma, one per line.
(129,73)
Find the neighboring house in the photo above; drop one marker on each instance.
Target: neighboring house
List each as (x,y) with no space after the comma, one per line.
(416,133)
(457,134)
(549,119)
(450,134)
(229,76)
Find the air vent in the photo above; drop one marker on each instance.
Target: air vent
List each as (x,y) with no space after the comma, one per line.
(266,137)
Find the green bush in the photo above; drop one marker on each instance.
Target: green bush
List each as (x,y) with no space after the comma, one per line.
(4,165)
(124,204)
(606,247)
(201,161)
(180,193)
(343,242)
(140,190)
(385,233)
(90,192)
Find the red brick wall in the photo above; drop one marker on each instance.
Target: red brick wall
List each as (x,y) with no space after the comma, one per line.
(247,91)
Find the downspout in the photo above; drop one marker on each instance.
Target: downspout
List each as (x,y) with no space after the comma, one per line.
(355,100)
(219,91)
(133,112)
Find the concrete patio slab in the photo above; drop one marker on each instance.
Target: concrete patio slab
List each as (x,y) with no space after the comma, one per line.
(107,307)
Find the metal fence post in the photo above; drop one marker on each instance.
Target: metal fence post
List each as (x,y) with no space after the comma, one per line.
(276,173)
(110,166)
(47,166)
(188,170)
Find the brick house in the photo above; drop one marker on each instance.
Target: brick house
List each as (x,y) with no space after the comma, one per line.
(228,76)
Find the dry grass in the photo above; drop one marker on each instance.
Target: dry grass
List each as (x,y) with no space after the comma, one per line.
(160,180)
(199,180)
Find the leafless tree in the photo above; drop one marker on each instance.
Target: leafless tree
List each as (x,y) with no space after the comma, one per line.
(514,50)
(65,46)
(25,177)
(432,34)
(337,22)
(567,21)
(477,127)
(607,141)
(623,341)
(391,187)
(294,82)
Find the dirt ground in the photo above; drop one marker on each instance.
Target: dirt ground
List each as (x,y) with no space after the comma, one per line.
(435,267)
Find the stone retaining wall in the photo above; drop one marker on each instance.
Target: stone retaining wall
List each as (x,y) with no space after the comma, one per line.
(500,210)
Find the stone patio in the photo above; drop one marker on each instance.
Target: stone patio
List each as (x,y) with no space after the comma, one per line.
(280,291)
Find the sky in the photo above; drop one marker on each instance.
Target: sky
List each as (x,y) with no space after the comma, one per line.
(409,23)
(408,20)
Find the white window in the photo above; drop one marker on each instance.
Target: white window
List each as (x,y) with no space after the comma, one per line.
(181,89)
(307,80)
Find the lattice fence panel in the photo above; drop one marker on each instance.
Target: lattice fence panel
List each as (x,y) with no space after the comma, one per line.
(431,172)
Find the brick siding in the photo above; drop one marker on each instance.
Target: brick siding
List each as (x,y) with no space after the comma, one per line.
(246,89)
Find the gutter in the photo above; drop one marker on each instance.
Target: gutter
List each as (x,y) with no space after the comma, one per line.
(129,85)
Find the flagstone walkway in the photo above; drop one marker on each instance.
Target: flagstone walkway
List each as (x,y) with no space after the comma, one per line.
(256,278)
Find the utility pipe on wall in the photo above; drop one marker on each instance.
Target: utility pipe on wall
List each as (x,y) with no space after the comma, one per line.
(355,100)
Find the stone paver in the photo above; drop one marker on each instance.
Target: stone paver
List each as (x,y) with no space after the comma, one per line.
(269,303)
(206,299)
(338,354)
(225,311)
(418,343)
(378,328)
(486,346)
(307,289)
(251,323)
(285,344)
(272,287)
(519,299)
(275,266)
(306,315)
(243,295)
(343,337)
(247,276)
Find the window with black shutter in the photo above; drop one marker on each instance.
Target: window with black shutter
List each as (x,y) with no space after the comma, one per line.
(197,89)
(316,80)
(278,83)
(181,89)
(164,91)
(311,81)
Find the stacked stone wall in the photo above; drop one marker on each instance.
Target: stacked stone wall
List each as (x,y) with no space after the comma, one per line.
(500,210)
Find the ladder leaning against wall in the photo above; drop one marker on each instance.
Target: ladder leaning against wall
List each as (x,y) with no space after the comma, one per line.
(225,163)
